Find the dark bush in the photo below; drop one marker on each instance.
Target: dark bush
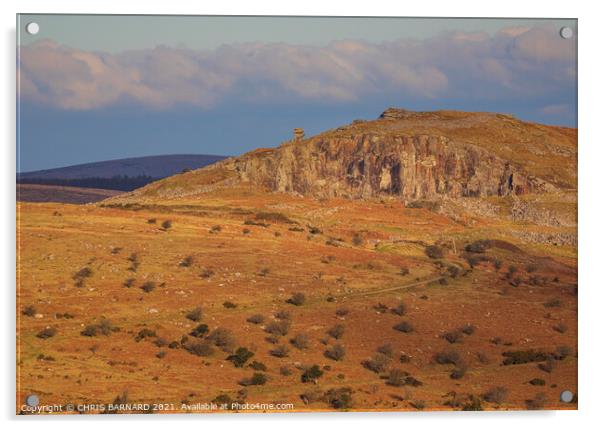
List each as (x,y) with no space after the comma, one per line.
(256,319)
(200,330)
(229,304)
(518,357)
(404,358)
(311,374)
(339,398)
(81,276)
(458,372)
(246,231)
(152,221)
(148,286)
(553,303)
(479,246)
(46,333)
(273,217)
(161,342)
(300,341)
(378,363)
(397,377)
(215,229)
(336,352)
(280,351)
(400,309)
(196,314)
(336,331)
(404,271)
(161,354)
(314,230)
(297,299)
(258,366)
(199,347)
(547,366)
(29,311)
(257,379)
(448,357)
(560,328)
(283,315)
(165,225)
(386,349)
(473,404)
(380,308)
(129,283)
(496,395)
(206,273)
(452,337)
(104,327)
(280,327)
(537,403)
(341,312)
(497,264)
(145,333)
(286,371)
(222,338)
(468,329)
(357,240)
(434,252)
(537,382)
(187,261)
(404,326)
(240,357)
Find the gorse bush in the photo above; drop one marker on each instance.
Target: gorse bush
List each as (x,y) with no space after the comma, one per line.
(280,351)
(378,363)
(199,348)
(46,333)
(400,309)
(240,357)
(145,333)
(104,327)
(405,327)
(196,314)
(222,338)
(257,379)
(311,374)
(336,331)
(336,352)
(187,261)
(280,327)
(200,331)
(297,299)
(29,311)
(166,224)
(496,395)
(434,252)
(300,341)
(256,319)
(148,286)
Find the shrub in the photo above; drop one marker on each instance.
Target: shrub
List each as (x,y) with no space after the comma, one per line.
(341,312)
(553,303)
(196,314)
(311,374)
(199,348)
(496,395)
(273,217)
(357,240)
(240,357)
(339,398)
(311,396)
(166,224)
(104,327)
(452,337)
(547,366)
(222,338)
(518,357)
(400,309)
(160,342)
(258,366)
(297,299)
(479,246)
(404,271)
(404,326)
(223,400)
(152,221)
(300,341)
(386,349)
(280,351)
(280,327)
(161,354)
(378,363)
(473,404)
(497,264)
(206,273)
(246,231)
(148,286)
(380,308)
(448,357)
(314,230)
(257,379)
(229,304)
(215,229)
(46,333)
(187,261)
(336,331)
(81,275)
(256,319)
(434,252)
(129,283)
(537,403)
(397,377)
(286,371)
(145,333)
(404,358)
(29,311)
(200,330)
(458,372)
(336,352)
(468,329)
(560,328)
(283,315)
(537,382)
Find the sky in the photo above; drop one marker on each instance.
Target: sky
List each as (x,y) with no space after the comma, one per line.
(98,87)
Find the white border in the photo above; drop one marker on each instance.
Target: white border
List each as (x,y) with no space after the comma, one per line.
(590,208)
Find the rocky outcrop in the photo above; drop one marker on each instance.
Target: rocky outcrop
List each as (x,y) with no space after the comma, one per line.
(366,166)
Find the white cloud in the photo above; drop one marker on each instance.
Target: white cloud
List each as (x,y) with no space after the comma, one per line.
(521,61)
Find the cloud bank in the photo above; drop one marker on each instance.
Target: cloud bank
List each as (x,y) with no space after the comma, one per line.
(516,63)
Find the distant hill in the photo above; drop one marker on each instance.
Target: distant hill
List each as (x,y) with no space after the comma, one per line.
(62,194)
(119,174)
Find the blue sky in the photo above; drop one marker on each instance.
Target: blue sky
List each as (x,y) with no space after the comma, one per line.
(105,87)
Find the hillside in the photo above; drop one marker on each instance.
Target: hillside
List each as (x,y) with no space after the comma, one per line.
(410,155)
(121,174)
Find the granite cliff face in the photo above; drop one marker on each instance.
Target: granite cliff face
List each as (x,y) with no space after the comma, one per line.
(404,154)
